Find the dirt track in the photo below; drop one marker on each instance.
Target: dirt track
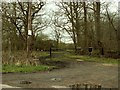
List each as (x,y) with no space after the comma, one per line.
(76,72)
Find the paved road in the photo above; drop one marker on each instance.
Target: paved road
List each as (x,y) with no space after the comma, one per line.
(81,72)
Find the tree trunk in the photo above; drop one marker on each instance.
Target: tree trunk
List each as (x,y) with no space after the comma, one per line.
(85,26)
(97,21)
(118,30)
(77,24)
(29,38)
(98,27)
(15,30)
(75,43)
(73,27)
(118,38)
(57,43)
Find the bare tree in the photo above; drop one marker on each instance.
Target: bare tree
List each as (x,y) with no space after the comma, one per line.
(20,16)
(20,21)
(85,25)
(115,28)
(72,13)
(97,26)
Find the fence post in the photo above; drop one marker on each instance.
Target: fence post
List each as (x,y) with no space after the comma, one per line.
(90,50)
(99,87)
(77,86)
(73,87)
(86,86)
(50,52)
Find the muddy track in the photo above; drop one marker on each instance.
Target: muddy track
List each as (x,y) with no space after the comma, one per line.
(75,72)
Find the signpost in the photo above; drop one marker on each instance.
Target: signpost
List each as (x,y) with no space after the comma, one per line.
(29,30)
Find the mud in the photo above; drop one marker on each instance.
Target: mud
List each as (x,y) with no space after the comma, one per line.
(75,72)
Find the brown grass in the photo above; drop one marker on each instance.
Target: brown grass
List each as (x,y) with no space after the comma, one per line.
(17,57)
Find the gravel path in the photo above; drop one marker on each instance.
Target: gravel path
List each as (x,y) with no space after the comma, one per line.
(77,72)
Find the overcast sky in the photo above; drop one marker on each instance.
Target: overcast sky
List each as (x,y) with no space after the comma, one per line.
(67,39)
(51,7)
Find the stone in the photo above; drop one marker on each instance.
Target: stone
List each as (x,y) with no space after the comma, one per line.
(56,79)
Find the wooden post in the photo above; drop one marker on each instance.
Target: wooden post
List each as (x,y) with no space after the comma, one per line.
(90,50)
(77,87)
(91,87)
(29,29)
(99,87)
(10,60)
(50,52)
(73,87)
(95,87)
(86,86)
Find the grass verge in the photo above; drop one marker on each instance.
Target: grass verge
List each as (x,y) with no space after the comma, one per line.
(96,59)
(25,69)
(73,57)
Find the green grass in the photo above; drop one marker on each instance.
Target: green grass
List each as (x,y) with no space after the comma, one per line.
(64,57)
(95,59)
(24,68)
(61,57)
(73,57)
